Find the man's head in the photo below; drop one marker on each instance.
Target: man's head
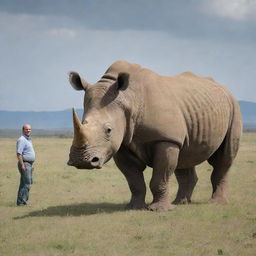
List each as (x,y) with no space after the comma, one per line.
(26,129)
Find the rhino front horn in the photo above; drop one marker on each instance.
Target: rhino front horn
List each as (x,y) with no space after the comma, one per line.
(80,138)
(76,121)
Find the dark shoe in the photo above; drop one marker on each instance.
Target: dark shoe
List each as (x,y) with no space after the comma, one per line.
(21,204)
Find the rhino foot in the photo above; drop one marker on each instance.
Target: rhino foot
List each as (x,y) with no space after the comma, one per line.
(181,201)
(219,200)
(219,196)
(161,206)
(136,206)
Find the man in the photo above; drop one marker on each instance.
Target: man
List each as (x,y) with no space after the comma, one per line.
(26,158)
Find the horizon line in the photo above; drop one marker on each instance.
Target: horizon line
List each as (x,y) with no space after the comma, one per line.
(67,109)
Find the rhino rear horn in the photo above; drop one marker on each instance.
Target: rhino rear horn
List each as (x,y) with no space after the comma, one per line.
(77,82)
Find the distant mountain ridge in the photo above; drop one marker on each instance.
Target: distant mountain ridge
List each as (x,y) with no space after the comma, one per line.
(38,119)
(58,120)
(248,110)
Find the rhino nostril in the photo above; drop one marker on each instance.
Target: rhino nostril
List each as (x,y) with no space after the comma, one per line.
(95,160)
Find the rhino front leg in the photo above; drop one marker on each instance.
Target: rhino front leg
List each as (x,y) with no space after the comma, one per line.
(132,168)
(187,180)
(165,162)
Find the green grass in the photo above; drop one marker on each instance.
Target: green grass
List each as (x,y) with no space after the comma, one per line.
(81,212)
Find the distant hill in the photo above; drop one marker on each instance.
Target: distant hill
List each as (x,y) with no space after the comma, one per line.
(39,120)
(62,120)
(248,110)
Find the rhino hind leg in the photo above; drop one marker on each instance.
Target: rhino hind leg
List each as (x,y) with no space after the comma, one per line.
(221,166)
(187,180)
(222,160)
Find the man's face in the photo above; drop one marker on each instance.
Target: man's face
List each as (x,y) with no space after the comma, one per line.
(27,130)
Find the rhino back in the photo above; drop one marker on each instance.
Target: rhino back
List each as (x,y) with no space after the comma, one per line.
(207,108)
(193,112)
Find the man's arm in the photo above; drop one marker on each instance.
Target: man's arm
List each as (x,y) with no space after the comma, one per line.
(20,158)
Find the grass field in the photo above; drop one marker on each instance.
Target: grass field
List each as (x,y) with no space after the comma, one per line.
(81,212)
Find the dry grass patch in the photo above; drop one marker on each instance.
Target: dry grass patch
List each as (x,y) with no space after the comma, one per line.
(79,212)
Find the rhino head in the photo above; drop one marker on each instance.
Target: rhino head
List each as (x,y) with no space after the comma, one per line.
(100,133)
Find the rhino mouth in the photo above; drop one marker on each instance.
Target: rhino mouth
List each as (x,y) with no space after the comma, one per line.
(84,159)
(93,163)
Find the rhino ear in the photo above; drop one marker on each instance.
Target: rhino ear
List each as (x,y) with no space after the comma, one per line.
(77,82)
(123,81)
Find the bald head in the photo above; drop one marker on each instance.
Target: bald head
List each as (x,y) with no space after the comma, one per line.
(26,129)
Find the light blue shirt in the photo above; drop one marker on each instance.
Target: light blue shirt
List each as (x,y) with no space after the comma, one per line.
(24,147)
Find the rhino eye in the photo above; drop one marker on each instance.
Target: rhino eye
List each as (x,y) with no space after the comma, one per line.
(108,129)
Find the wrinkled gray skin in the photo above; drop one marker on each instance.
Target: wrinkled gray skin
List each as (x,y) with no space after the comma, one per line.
(171,124)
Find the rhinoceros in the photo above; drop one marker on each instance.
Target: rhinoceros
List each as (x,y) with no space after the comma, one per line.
(172,124)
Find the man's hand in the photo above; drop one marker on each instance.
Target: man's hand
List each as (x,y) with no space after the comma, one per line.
(23,167)
(20,158)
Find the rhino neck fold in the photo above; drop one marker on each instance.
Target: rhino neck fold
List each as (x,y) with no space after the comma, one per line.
(133,116)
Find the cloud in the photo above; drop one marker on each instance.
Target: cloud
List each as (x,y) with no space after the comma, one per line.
(42,40)
(30,24)
(61,32)
(236,9)
(195,19)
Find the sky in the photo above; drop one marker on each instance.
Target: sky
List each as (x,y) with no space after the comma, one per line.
(41,41)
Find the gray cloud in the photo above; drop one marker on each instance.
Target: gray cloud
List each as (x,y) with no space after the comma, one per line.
(42,40)
(186,19)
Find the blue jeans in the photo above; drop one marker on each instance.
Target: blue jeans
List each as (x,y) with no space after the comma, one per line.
(25,183)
